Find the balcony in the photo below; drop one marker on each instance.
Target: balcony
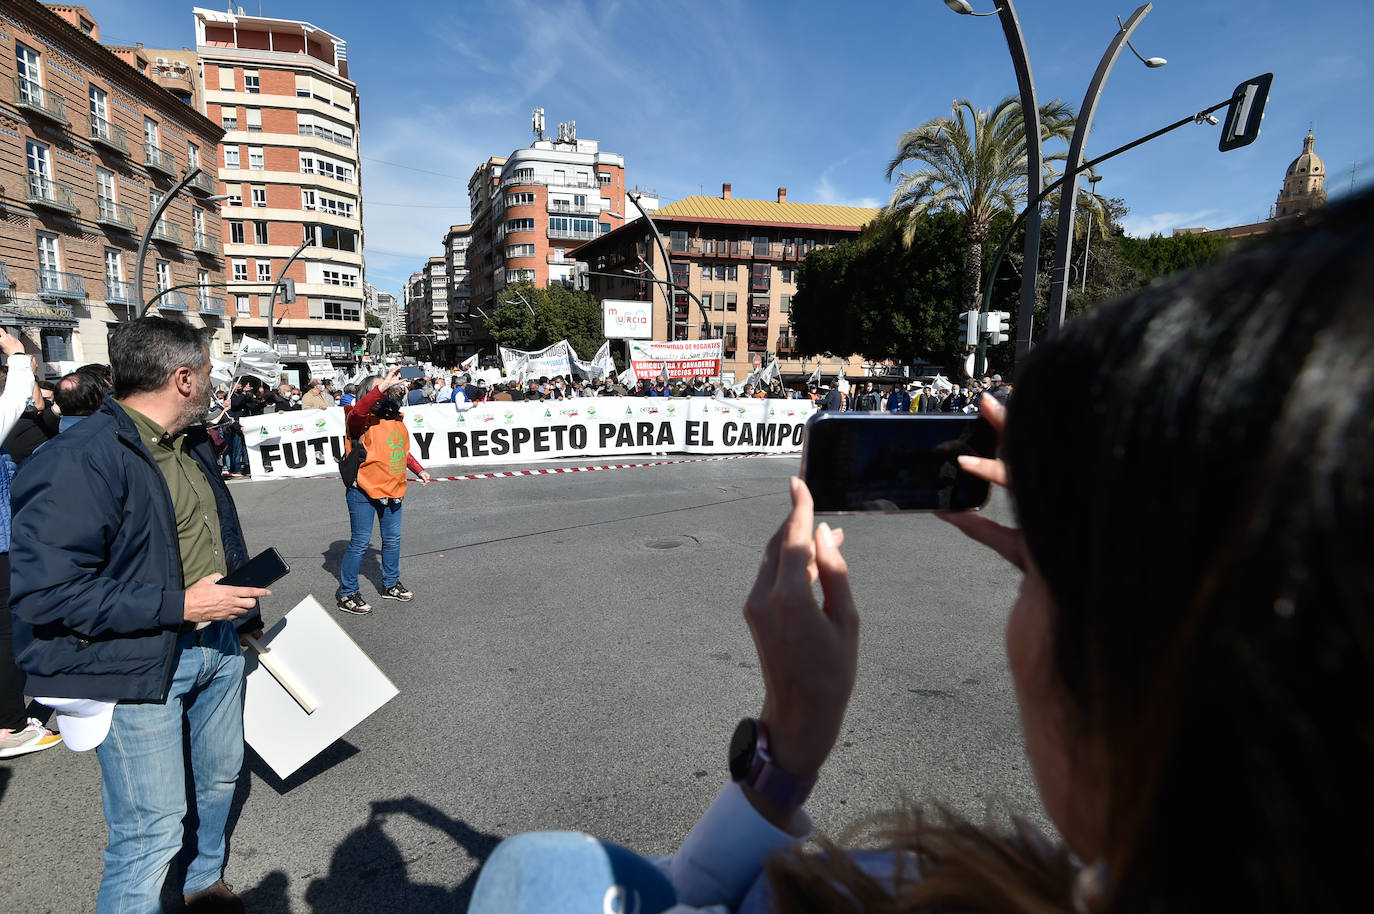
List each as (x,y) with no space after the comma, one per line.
(758,314)
(30,96)
(156,159)
(324,134)
(572,234)
(558,206)
(536,181)
(48,194)
(202,184)
(103,133)
(118,292)
(210,304)
(166,232)
(786,346)
(4,278)
(54,284)
(202,243)
(172,301)
(112,215)
(762,251)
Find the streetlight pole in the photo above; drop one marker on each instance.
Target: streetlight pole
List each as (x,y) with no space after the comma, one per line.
(1068,196)
(663,252)
(1093,178)
(152,224)
(272,302)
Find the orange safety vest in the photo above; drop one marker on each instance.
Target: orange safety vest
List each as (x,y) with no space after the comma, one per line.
(383,473)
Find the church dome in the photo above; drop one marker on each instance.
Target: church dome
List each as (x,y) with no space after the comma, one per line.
(1309,163)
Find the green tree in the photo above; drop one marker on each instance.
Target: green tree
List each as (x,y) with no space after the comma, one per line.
(557,314)
(1160,255)
(974,165)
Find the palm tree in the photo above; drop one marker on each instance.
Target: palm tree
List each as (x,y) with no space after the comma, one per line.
(975,165)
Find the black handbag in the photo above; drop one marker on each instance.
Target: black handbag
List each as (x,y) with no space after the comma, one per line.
(351,462)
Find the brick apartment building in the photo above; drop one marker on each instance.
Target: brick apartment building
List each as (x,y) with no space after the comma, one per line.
(289,161)
(89,146)
(534,208)
(739,257)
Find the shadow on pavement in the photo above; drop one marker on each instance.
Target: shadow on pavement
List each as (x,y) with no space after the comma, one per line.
(368,871)
(370,569)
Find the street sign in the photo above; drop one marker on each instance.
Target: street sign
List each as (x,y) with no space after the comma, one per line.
(627,320)
(1246,112)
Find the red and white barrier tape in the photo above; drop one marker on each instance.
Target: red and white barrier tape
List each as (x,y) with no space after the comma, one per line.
(589,469)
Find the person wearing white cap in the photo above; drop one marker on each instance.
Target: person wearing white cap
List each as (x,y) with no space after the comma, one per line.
(121,532)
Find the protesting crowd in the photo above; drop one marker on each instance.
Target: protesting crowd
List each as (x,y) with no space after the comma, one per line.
(1187,648)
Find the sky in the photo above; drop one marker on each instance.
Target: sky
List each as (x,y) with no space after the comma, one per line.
(811,95)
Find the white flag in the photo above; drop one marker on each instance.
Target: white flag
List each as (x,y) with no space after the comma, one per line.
(815,376)
(627,377)
(257,359)
(470,363)
(221,371)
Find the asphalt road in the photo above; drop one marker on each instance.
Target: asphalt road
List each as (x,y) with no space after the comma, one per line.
(575,657)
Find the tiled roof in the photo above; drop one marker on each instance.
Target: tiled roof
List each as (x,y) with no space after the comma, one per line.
(767,212)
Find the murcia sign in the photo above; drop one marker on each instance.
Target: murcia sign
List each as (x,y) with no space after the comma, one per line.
(627,320)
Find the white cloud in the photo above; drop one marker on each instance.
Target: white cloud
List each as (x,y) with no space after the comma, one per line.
(827,192)
(1164,223)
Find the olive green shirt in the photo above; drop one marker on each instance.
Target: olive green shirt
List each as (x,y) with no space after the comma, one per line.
(193,500)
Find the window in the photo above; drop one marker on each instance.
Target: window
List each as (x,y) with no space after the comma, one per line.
(523,176)
(236,231)
(574,228)
(522,225)
(603,178)
(231,157)
(240,268)
(192,155)
(730,302)
(255,158)
(49,261)
(760,276)
(706,301)
(150,132)
(100,110)
(340,278)
(519,250)
(335,205)
(198,221)
(732,273)
(203,292)
(30,73)
(677,241)
(519,276)
(605,227)
(311,234)
(337,239)
(252,119)
(264,271)
(250,82)
(241,306)
(760,241)
(229,118)
(57,345)
(522,198)
(260,233)
(786,274)
(720,271)
(114,266)
(234,200)
(226,79)
(680,273)
(105,189)
(259,196)
(307,198)
(341,310)
(785,304)
(164,275)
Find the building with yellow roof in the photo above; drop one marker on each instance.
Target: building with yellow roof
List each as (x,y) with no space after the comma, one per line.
(739,257)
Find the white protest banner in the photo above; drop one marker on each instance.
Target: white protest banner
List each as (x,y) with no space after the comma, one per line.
(681,359)
(546,363)
(306,443)
(600,365)
(320,368)
(256,358)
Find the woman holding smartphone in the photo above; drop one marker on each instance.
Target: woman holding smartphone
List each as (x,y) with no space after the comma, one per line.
(374,423)
(1192,647)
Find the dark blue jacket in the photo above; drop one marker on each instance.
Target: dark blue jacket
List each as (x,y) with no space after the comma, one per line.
(95,565)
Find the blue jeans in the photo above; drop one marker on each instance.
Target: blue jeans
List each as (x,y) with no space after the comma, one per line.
(238,451)
(143,779)
(361,512)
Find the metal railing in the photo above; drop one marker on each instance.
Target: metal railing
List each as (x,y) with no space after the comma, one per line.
(536,181)
(173,301)
(166,231)
(570,233)
(324,134)
(206,244)
(119,292)
(113,215)
(202,184)
(210,304)
(4,278)
(159,159)
(33,97)
(558,206)
(56,284)
(109,135)
(45,192)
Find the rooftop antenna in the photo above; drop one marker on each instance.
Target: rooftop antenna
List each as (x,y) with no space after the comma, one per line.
(537,123)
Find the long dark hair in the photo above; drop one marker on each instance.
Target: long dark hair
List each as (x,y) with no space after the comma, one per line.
(1204,518)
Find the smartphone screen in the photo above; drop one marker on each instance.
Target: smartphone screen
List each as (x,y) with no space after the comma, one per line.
(885,463)
(262,569)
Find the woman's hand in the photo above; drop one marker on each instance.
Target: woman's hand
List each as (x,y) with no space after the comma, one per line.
(1005,541)
(425,478)
(808,651)
(390,378)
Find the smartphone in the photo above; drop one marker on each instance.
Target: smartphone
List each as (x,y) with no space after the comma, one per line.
(890,463)
(262,569)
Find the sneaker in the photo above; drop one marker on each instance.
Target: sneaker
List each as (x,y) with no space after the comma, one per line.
(214,900)
(353,603)
(33,738)
(397,591)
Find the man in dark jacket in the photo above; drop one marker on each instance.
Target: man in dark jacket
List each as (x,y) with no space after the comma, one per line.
(121,532)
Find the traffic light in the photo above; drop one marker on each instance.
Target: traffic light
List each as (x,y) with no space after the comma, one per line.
(288,290)
(580,276)
(995,326)
(968,328)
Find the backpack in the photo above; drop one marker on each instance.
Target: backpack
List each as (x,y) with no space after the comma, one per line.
(350,463)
